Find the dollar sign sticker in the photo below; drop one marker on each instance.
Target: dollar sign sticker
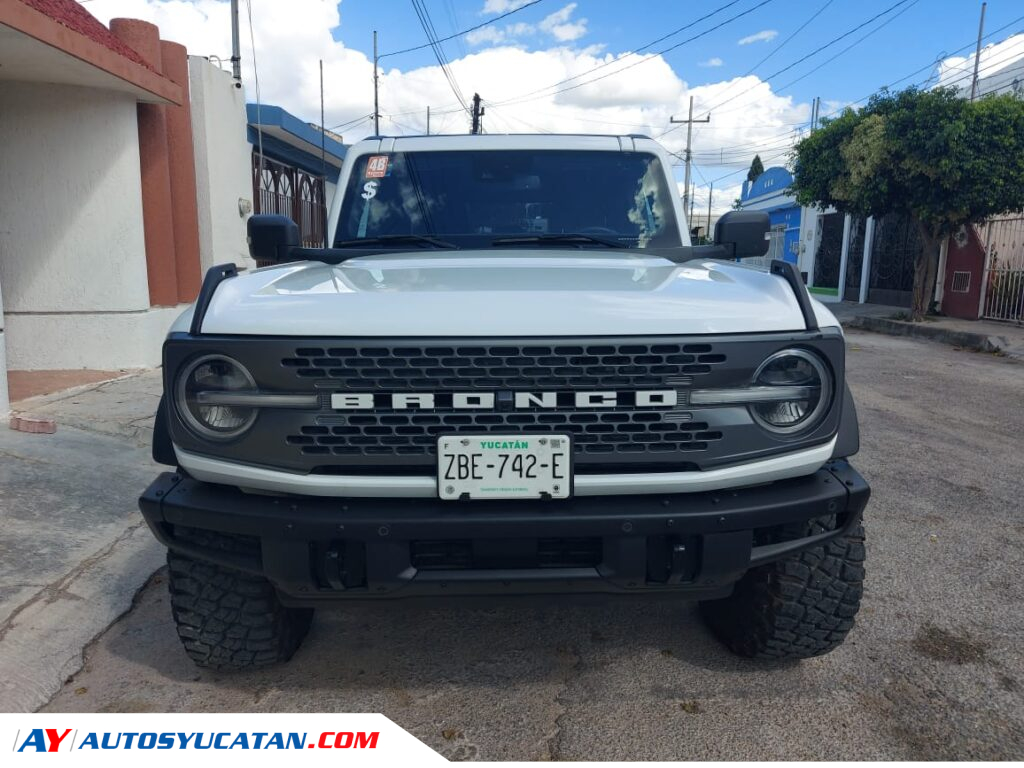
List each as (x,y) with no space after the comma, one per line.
(369,190)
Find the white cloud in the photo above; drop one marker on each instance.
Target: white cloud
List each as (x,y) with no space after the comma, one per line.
(559,26)
(714,61)
(998,70)
(485,35)
(291,38)
(502,6)
(764,36)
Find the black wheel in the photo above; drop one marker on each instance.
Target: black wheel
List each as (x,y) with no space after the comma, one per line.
(795,608)
(227,619)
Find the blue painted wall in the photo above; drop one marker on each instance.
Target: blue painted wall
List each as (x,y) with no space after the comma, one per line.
(775,183)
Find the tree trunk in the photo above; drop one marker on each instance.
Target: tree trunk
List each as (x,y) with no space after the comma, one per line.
(926,266)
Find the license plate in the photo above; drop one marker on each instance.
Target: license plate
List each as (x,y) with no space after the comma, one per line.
(504,466)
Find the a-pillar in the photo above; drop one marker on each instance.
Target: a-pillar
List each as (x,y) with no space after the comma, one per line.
(184,213)
(144,39)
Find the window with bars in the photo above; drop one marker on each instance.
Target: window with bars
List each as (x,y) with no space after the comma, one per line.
(292,192)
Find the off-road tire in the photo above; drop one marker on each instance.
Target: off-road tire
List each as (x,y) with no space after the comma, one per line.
(228,619)
(798,607)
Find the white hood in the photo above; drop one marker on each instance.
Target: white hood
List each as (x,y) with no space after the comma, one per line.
(505,293)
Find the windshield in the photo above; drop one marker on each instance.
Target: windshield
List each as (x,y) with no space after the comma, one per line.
(473,198)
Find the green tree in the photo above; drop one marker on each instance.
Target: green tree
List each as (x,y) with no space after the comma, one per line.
(756,169)
(931,155)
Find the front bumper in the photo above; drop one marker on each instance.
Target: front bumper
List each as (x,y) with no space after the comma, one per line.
(317,549)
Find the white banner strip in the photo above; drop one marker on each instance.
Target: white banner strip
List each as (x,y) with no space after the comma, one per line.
(252,740)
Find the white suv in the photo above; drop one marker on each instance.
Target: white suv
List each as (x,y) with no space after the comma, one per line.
(511,373)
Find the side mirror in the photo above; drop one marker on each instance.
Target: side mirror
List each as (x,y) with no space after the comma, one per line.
(743,233)
(272,237)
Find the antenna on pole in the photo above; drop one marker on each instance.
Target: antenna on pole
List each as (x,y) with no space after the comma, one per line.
(977,53)
(689,134)
(376,109)
(236,54)
(428,120)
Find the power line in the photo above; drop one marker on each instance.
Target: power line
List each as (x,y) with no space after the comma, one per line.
(992,65)
(855,43)
(424,17)
(528,97)
(643,47)
(779,47)
(463,32)
(802,59)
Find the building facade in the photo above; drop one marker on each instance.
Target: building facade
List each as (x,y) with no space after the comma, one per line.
(126,174)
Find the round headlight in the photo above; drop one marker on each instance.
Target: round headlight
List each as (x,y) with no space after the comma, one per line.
(797,389)
(203,396)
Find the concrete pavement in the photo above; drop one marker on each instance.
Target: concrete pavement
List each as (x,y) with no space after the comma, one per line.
(933,669)
(1006,339)
(73,549)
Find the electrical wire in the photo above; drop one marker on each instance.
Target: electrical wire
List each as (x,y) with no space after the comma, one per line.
(428,30)
(525,98)
(460,34)
(643,47)
(779,47)
(855,43)
(799,61)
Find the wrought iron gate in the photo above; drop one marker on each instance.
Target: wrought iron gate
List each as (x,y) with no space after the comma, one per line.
(830,247)
(1002,286)
(895,247)
(294,193)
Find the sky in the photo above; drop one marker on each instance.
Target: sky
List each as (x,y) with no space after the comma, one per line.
(596,66)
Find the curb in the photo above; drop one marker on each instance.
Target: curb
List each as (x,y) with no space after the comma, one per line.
(976,341)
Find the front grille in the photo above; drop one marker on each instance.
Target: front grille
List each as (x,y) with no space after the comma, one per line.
(607,432)
(385,440)
(406,368)
(477,554)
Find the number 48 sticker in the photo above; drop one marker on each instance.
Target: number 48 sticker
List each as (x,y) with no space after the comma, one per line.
(377,167)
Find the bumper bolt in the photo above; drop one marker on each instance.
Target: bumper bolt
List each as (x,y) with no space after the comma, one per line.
(627,527)
(383,530)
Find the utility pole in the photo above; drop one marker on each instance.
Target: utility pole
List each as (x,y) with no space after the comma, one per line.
(708,234)
(977,53)
(376,109)
(689,134)
(236,54)
(478,113)
(428,121)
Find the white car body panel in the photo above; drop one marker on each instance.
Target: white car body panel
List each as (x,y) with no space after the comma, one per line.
(524,293)
(422,487)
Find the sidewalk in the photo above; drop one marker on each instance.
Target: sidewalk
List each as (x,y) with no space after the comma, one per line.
(981,335)
(73,548)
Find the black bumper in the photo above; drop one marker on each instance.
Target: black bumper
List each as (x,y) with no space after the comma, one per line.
(317,549)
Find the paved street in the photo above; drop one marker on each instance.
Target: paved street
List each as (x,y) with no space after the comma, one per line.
(932,670)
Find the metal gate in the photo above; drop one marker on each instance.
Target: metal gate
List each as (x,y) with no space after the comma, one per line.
(830,245)
(1002,285)
(294,193)
(894,249)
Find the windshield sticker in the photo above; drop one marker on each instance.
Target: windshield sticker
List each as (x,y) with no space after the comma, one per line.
(369,190)
(377,167)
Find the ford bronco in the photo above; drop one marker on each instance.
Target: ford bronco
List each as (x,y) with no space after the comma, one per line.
(510,373)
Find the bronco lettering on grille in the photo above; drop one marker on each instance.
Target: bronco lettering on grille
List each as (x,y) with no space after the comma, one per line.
(361,401)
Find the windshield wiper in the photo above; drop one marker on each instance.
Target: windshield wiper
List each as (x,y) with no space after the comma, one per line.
(422,240)
(568,238)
